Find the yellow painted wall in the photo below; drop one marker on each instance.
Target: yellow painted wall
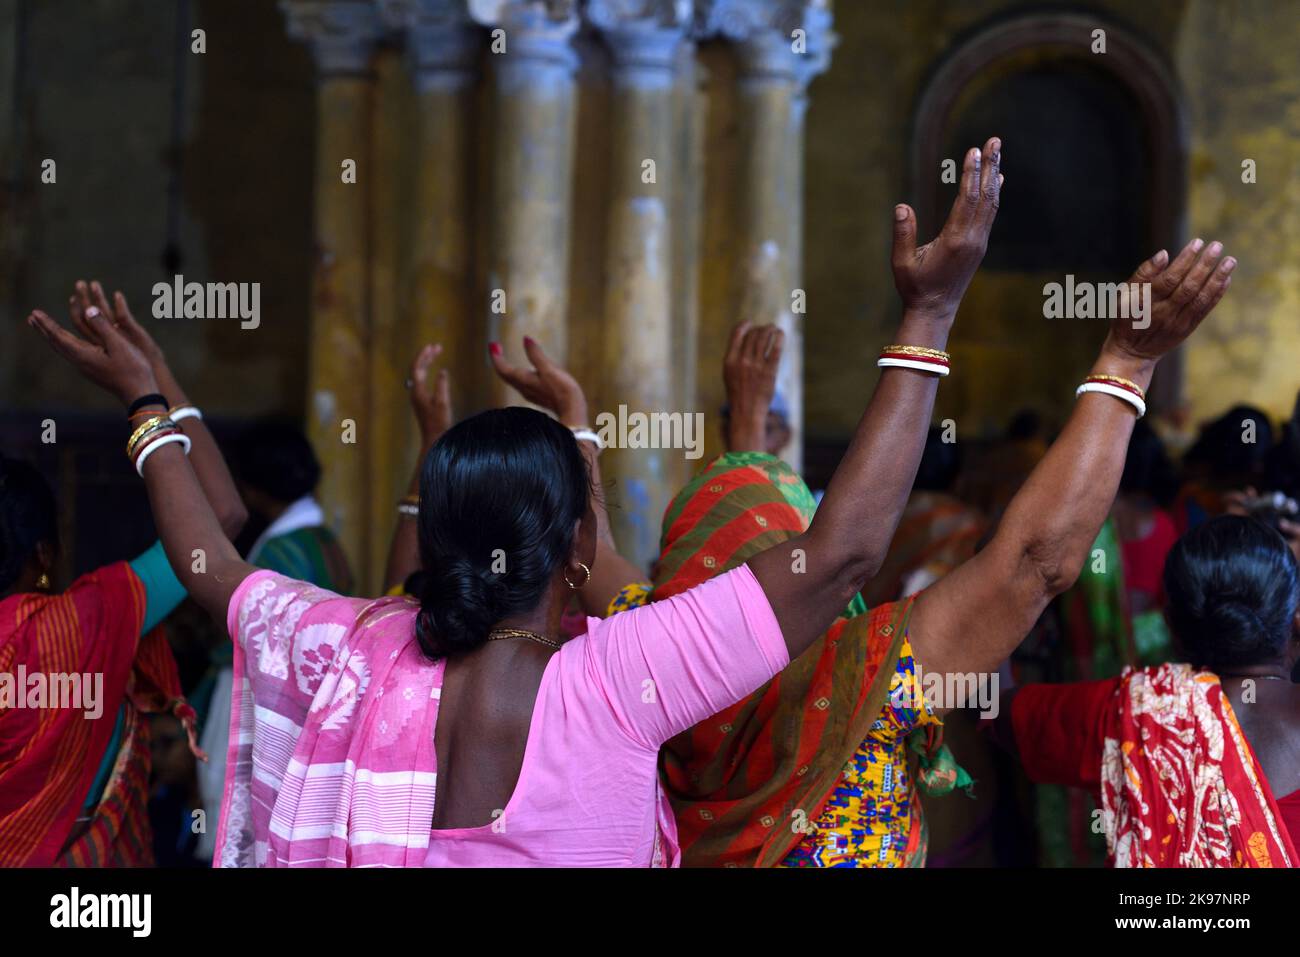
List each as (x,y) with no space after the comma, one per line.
(1237,65)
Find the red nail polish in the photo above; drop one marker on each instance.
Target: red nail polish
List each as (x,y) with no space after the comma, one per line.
(494,348)
(529,341)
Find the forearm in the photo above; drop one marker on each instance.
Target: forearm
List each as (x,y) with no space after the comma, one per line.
(197,547)
(404,552)
(746,429)
(1041,543)
(611,571)
(860,511)
(207,461)
(1053,521)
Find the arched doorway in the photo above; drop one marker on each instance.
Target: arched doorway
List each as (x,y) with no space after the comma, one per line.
(1096,156)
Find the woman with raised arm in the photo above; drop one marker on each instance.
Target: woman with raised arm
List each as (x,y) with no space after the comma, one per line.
(543,752)
(74,780)
(809,770)
(1184,779)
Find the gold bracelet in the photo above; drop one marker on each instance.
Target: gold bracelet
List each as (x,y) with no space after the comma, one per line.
(919,351)
(1119,381)
(154,426)
(140,432)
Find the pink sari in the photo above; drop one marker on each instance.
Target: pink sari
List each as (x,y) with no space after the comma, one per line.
(354,787)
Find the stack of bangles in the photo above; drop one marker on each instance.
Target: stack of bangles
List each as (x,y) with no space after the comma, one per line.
(915,357)
(409,506)
(1123,389)
(156,430)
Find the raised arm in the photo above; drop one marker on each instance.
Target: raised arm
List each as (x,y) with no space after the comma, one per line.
(206,458)
(972,619)
(196,545)
(749,373)
(811,578)
(548,385)
(432,406)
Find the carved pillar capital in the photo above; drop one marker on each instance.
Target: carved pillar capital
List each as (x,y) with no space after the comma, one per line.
(442,40)
(789,40)
(340,33)
(538,33)
(644,36)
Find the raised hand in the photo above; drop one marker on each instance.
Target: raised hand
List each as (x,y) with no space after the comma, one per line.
(1183,293)
(104,356)
(432,405)
(749,371)
(933,278)
(545,384)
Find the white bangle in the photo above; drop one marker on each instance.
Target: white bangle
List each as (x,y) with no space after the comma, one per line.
(157,444)
(185,412)
(405,508)
(1117,392)
(586,435)
(918,365)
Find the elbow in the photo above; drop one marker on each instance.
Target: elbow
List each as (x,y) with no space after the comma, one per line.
(858,570)
(1052,567)
(233,518)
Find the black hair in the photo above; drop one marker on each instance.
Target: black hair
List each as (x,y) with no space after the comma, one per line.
(940,463)
(275,457)
(27,518)
(1147,467)
(1233,590)
(501,495)
(1221,446)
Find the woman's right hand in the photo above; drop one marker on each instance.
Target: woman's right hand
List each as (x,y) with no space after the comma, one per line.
(105,356)
(546,384)
(1183,293)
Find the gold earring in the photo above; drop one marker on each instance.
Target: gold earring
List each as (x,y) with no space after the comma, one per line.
(584,581)
(43,583)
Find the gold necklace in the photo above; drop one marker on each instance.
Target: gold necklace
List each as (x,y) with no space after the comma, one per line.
(500,634)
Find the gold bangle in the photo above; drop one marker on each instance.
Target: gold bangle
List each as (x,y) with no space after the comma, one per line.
(147,431)
(409,500)
(1119,381)
(143,428)
(919,351)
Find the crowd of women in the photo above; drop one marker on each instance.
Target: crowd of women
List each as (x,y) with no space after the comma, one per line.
(526,696)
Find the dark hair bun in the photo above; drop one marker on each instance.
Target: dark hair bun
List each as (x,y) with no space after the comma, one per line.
(1233,591)
(501,495)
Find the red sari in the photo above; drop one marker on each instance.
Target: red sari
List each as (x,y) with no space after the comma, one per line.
(49,755)
(1178,782)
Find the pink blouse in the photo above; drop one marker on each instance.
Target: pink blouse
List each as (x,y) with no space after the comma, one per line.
(588,793)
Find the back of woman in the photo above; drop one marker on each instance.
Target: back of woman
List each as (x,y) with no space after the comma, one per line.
(1195,764)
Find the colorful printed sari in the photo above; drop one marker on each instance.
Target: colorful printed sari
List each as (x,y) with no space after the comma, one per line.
(746,784)
(49,755)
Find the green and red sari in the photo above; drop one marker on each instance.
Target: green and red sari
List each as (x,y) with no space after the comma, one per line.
(746,783)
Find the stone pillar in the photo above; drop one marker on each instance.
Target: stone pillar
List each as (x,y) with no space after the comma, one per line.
(429,183)
(532,170)
(781,46)
(644,39)
(341,35)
